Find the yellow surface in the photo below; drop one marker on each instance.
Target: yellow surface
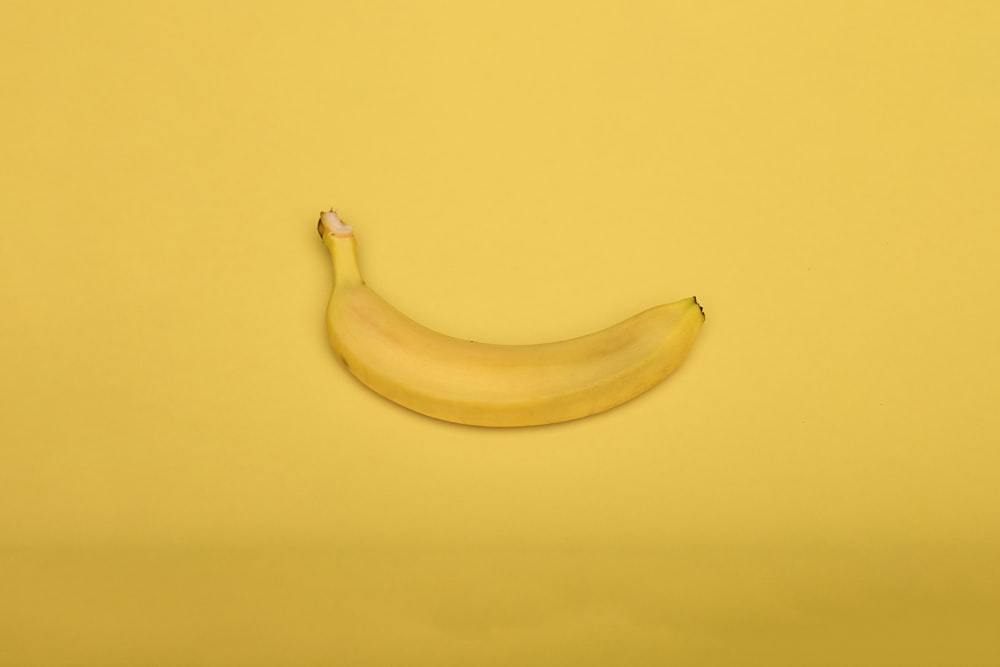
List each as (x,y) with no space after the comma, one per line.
(187,476)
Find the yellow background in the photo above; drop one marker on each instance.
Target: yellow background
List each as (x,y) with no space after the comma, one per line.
(188,476)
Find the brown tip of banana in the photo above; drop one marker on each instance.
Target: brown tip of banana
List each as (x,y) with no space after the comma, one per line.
(695,300)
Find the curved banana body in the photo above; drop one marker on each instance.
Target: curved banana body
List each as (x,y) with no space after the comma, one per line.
(496,385)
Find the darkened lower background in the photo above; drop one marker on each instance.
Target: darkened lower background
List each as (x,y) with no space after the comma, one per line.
(707,605)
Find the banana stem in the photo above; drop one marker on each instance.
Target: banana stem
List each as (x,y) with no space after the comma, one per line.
(338,237)
(334,224)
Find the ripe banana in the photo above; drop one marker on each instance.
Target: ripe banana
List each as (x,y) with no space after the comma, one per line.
(496,385)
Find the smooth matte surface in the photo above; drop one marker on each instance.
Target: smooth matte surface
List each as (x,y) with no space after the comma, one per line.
(188,475)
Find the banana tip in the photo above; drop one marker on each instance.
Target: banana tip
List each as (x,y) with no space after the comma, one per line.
(695,300)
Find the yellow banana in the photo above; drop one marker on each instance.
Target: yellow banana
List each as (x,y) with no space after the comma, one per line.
(496,385)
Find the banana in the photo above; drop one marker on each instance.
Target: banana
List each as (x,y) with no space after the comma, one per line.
(495,385)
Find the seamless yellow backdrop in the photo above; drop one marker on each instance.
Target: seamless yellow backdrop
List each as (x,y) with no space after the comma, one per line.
(188,475)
